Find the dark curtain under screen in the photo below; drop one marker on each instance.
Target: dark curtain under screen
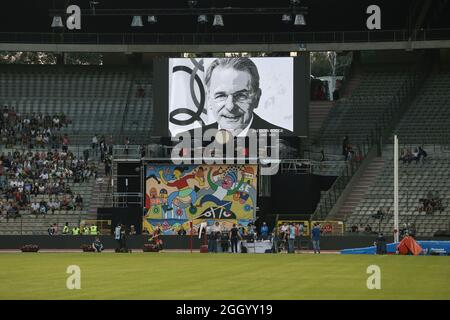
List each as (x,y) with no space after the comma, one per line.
(297,194)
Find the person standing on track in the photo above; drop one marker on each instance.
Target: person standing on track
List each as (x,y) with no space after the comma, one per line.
(291,238)
(315,237)
(117,235)
(234,236)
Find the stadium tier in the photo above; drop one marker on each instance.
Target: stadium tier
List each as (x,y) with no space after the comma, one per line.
(110,100)
(98,100)
(427,119)
(416,182)
(380,88)
(39,190)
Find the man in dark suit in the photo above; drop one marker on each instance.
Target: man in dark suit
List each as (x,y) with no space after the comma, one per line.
(233,94)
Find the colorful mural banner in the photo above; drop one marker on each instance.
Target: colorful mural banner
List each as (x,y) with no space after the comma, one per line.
(172,226)
(191,192)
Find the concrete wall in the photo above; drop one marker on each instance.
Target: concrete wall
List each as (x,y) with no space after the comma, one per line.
(115,58)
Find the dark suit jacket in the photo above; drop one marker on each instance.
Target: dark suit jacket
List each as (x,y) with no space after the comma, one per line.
(257,123)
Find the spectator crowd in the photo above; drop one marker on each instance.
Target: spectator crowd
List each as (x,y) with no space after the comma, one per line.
(32,130)
(26,175)
(431,203)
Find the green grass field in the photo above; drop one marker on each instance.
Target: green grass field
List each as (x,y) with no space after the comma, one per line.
(221,276)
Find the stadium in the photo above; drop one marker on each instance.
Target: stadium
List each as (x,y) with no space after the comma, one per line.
(225,150)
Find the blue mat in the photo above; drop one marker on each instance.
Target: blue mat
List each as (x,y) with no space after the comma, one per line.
(427,246)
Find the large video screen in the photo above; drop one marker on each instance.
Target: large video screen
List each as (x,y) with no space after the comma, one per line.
(235,94)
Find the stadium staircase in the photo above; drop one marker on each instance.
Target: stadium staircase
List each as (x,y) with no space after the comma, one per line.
(101,196)
(359,189)
(353,82)
(318,112)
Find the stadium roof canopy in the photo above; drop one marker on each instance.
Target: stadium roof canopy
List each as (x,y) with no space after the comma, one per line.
(245,22)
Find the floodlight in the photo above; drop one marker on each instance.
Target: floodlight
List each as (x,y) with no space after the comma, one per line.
(299,20)
(57,22)
(137,21)
(202,19)
(218,20)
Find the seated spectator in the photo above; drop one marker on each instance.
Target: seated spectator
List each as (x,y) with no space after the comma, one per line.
(56,204)
(406,156)
(41,188)
(368,229)
(43,207)
(51,230)
(52,205)
(67,190)
(422,154)
(28,186)
(12,212)
(56,122)
(39,139)
(97,245)
(402,154)
(44,176)
(55,229)
(35,208)
(415,155)
(65,202)
(73,203)
(354,228)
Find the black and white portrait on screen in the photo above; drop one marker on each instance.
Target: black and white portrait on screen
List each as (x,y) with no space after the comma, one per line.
(233,94)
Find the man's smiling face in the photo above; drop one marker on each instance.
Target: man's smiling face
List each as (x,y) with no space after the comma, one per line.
(232,98)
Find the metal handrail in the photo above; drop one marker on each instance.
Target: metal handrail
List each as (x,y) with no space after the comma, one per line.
(209,38)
